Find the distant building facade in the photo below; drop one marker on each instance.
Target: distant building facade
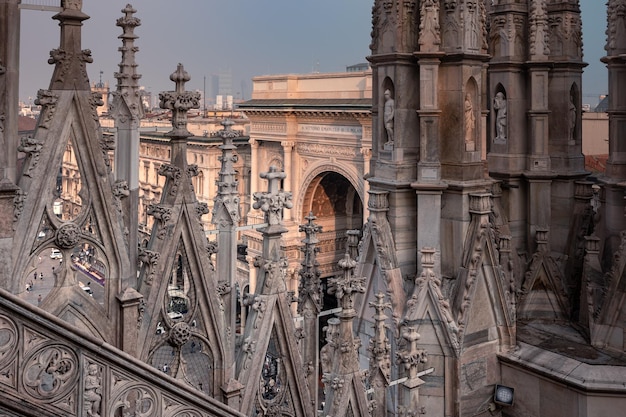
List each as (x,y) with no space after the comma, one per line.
(317,129)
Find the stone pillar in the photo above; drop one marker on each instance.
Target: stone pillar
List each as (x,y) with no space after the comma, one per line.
(252,276)
(127,111)
(254,178)
(226,217)
(132,306)
(310,301)
(9,87)
(429,187)
(616,164)
(288,183)
(538,164)
(9,82)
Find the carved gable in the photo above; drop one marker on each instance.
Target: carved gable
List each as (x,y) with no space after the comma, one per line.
(275,381)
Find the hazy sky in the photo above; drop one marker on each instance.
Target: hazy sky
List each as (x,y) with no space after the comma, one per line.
(247,37)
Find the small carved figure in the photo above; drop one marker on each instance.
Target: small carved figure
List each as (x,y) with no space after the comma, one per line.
(470,119)
(499,104)
(388,115)
(93,391)
(571,116)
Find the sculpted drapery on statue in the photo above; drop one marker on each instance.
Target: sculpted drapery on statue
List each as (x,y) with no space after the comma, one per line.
(470,119)
(388,115)
(571,118)
(499,105)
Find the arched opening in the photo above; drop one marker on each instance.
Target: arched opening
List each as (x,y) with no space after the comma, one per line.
(338,208)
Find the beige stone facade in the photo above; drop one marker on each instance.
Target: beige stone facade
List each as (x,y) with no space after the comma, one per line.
(317,129)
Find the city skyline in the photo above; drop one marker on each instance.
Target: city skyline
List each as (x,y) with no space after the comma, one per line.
(248,38)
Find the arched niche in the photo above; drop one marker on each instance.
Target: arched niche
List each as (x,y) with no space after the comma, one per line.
(499,116)
(471,115)
(387,112)
(574,115)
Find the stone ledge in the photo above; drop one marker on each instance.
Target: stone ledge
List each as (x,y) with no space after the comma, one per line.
(566,370)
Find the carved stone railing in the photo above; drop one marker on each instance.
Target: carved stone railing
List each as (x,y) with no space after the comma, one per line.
(48,367)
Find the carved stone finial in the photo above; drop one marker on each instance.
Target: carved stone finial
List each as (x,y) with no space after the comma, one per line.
(180,77)
(70,72)
(411,357)
(127,78)
(273,202)
(380,347)
(226,208)
(179,102)
(346,286)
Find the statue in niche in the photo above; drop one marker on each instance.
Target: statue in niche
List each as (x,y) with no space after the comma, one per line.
(93,391)
(388,115)
(571,119)
(470,119)
(499,105)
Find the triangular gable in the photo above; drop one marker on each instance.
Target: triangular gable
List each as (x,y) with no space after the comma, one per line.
(543,296)
(270,331)
(68,128)
(481,269)
(178,283)
(430,311)
(377,261)
(606,296)
(350,399)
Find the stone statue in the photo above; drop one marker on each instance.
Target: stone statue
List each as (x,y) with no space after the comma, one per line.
(499,104)
(93,391)
(388,115)
(571,119)
(470,119)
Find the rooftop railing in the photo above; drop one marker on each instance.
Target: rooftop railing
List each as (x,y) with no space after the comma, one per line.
(43,5)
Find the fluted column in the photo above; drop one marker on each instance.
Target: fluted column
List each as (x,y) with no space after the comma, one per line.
(367,157)
(254,169)
(288,182)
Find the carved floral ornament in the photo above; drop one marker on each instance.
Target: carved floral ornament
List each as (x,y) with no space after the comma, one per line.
(48,101)
(68,236)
